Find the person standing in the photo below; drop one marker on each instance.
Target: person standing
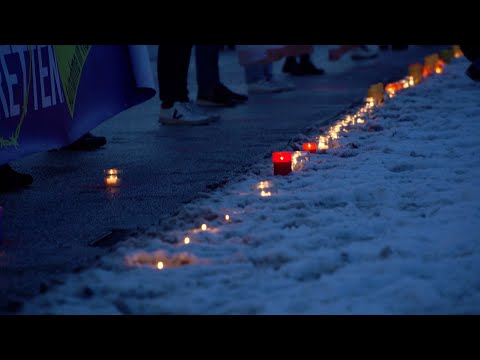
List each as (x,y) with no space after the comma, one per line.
(176,109)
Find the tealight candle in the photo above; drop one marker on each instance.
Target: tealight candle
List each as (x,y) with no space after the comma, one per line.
(282,163)
(299,158)
(416,72)
(112,179)
(322,143)
(457,51)
(310,146)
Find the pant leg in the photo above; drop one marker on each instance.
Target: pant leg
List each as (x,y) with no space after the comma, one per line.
(254,73)
(208,73)
(268,71)
(172,66)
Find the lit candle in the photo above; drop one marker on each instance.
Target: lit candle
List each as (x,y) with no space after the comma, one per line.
(310,146)
(376,92)
(457,52)
(227,217)
(160,265)
(439,66)
(416,72)
(1,223)
(186,240)
(112,179)
(299,158)
(322,143)
(282,163)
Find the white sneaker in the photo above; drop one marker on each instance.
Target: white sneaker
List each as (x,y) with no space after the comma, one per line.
(184,113)
(269,86)
(364,52)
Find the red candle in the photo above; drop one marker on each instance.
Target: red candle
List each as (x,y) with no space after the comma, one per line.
(282,163)
(310,146)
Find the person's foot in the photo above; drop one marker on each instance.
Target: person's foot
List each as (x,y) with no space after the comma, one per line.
(222,96)
(364,52)
(184,113)
(11,180)
(302,68)
(306,67)
(86,143)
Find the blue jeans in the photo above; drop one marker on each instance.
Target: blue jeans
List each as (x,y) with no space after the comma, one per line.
(208,74)
(256,72)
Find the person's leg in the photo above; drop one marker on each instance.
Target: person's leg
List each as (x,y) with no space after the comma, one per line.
(306,66)
(290,65)
(211,91)
(172,67)
(206,61)
(254,73)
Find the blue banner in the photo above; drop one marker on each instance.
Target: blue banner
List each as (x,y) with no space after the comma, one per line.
(51,95)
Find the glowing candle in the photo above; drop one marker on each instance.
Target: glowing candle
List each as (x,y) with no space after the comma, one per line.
(439,66)
(282,163)
(457,52)
(160,265)
(416,72)
(310,146)
(227,217)
(299,158)
(186,240)
(204,227)
(322,143)
(112,179)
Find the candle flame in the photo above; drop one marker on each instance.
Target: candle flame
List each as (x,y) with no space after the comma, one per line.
(204,227)
(186,240)
(438,70)
(265,193)
(160,265)
(281,157)
(263,185)
(112,180)
(227,217)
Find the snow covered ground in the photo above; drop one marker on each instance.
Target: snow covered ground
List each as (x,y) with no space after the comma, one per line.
(386,223)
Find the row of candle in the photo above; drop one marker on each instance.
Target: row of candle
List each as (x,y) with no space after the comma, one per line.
(284,162)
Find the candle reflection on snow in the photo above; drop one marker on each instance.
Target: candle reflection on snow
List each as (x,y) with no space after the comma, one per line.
(161,260)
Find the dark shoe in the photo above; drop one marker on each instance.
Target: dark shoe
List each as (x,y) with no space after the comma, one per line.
(236,98)
(473,72)
(290,65)
(306,67)
(11,180)
(222,96)
(86,143)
